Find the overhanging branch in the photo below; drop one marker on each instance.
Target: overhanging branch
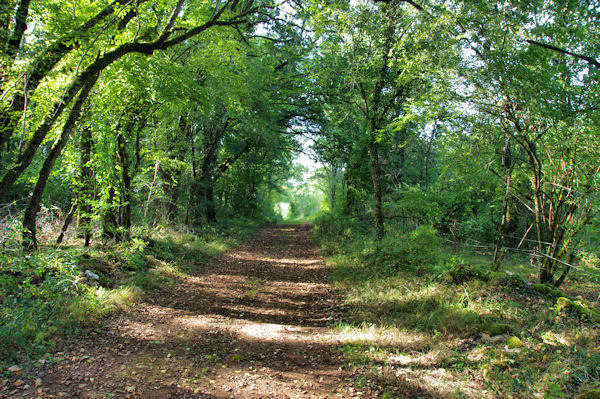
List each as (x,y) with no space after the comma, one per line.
(589,60)
(412,3)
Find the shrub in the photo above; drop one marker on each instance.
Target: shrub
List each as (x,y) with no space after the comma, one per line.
(134,253)
(414,201)
(38,293)
(44,295)
(479,227)
(416,251)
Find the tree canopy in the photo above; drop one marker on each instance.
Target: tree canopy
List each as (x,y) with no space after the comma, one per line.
(119,112)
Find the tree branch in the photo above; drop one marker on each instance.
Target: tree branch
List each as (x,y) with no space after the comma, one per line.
(44,63)
(20,26)
(412,3)
(11,175)
(589,60)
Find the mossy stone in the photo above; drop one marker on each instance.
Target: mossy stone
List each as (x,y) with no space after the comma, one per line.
(565,304)
(496,275)
(496,328)
(463,272)
(549,291)
(516,284)
(514,342)
(593,394)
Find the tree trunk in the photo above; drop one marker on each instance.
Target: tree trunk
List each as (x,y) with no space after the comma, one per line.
(41,66)
(350,205)
(14,43)
(173,198)
(162,43)
(6,8)
(333,186)
(29,218)
(171,187)
(401,146)
(86,189)
(503,225)
(376,179)
(207,173)
(26,157)
(68,220)
(109,218)
(123,158)
(209,201)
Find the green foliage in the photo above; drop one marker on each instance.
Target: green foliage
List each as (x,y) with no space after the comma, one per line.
(418,251)
(459,115)
(494,325)
(43,294)
(134,254)
(424,205)
(481,227)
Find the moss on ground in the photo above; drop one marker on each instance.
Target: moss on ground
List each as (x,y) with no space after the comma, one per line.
(496,328)
(584,312)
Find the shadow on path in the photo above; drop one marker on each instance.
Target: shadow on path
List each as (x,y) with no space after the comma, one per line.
(252,323)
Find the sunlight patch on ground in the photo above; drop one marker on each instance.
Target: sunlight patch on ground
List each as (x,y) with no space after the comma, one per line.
(383,337)
(257,310)
(418,359)
(414,358)
(294,261)
(270,332)
(248,256)
(553,338)
(204,322)
(249,330)
(297,286)
(282,333)
(442,383)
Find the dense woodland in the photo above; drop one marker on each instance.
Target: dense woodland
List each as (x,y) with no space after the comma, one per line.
(456,144)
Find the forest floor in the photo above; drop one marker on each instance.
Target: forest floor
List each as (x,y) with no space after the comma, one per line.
(255,322)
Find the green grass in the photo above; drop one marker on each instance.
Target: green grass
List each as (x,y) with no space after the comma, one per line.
(404,318)
(44,295)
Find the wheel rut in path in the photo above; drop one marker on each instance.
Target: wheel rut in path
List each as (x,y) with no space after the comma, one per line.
(251,323)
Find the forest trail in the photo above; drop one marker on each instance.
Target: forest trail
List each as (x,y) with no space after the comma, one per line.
(252,323)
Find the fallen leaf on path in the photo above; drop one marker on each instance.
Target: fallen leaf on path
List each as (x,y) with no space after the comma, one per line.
(15,369)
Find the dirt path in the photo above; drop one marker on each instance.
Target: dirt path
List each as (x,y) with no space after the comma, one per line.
(252,323)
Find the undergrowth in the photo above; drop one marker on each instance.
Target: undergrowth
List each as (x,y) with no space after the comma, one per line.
(46,294)
(436,315)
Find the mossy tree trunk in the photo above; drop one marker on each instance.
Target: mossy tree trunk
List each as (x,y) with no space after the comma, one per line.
(29,218)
